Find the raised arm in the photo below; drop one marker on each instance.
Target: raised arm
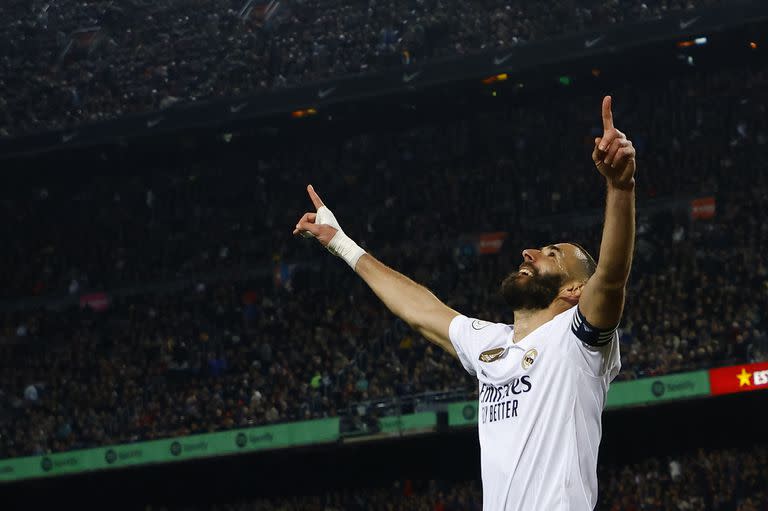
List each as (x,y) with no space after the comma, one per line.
(411,302)
(602,300)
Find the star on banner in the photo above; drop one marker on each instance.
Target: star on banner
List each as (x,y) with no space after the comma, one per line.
(744,377)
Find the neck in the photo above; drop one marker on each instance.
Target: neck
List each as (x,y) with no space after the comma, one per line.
(528,320)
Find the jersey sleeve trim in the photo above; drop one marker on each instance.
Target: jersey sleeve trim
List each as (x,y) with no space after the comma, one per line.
(457,336)
(588,333)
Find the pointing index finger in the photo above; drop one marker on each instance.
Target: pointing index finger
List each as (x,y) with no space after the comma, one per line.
(607,114)
(315,197)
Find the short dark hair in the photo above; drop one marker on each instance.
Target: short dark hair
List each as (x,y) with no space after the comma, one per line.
(589,265)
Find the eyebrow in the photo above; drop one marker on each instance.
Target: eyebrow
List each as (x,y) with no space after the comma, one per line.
(553,247)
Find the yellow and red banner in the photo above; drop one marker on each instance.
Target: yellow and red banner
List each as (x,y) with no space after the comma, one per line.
(738,378)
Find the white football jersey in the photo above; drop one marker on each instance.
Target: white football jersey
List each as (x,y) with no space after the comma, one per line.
(539,410)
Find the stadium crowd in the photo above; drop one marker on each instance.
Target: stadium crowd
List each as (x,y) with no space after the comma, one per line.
(74,61)
(164,217)
(218,319)
(712,480)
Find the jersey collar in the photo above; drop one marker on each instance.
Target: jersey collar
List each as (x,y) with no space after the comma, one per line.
(524,343)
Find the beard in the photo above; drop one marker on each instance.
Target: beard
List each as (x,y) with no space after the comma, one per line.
(530,293)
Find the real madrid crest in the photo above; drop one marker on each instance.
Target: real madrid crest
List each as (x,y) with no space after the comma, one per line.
(529,358)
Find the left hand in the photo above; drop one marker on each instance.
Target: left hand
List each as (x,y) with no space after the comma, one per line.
(614,155)
(321,225)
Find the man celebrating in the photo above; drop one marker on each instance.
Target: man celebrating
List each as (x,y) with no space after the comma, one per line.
(542,382)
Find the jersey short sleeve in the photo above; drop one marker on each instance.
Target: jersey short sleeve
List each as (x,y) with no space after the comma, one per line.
(595,350)
(472,337)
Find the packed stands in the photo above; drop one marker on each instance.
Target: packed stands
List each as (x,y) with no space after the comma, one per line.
(212,317)
(71,61)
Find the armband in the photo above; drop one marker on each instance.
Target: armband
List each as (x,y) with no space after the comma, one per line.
(589,334)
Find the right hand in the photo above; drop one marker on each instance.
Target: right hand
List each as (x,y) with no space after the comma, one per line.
(614,155)
(308,225)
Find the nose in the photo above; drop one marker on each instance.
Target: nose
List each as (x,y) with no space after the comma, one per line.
(529,254)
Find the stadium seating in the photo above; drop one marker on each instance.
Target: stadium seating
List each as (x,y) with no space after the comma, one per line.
(215,318)
(716,480)
(72,61)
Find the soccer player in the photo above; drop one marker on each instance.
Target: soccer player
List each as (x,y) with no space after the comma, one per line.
(542,381)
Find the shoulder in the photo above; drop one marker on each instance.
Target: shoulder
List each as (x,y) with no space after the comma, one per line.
(573,323)
(466,328)
(473,338)
(596,350)
(563,322)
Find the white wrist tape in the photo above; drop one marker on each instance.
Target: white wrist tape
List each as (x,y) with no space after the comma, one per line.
(325,216)
(341,245)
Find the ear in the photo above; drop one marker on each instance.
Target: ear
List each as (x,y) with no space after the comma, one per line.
(571,292)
